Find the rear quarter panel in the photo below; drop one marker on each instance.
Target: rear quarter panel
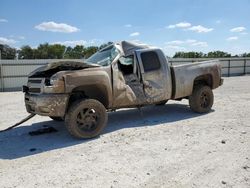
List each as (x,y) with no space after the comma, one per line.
(186,74)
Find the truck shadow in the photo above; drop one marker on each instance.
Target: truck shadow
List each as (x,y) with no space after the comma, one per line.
(18,143)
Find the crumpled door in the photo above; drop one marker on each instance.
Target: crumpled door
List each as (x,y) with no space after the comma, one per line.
(153,75)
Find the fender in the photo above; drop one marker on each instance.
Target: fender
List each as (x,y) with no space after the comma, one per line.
(94,82)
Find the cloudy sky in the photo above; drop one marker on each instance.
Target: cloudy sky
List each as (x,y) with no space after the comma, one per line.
(173,25)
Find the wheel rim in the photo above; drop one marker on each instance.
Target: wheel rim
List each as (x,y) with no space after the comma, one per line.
(87,119)
(204,100)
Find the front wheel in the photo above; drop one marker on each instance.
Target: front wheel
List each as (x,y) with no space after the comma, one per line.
(86,118)
(202,99)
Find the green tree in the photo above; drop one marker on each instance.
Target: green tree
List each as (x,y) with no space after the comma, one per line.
(188,55)
(75,53)
(56,51)
(105,45)
(26,52)
(90,51)
(217,54)
(7,52)
(245,55)
(42,51)
(68,52)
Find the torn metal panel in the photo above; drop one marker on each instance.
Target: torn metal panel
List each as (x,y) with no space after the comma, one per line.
(128,48)
(60,65)
(137,87)
(122,93)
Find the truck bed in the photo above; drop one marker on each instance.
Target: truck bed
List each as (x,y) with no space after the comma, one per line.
(184,76)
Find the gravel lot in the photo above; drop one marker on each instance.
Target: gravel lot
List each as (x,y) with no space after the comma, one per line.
(168,146)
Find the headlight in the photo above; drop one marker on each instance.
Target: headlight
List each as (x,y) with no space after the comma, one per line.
(53,80)
(56,85)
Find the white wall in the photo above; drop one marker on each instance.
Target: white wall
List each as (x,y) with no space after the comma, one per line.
(14,73)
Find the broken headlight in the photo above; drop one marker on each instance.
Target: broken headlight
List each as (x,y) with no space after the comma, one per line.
(52,80)
(55,85)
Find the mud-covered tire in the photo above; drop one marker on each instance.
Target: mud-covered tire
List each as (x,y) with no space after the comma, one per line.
(86,118)
(161,103)
(56,118)
(202,99)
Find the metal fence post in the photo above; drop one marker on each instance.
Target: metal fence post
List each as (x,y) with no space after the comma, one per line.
(245,63)
(229,66)
(1,72)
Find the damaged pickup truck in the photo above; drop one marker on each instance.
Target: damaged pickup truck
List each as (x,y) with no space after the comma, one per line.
(122,75)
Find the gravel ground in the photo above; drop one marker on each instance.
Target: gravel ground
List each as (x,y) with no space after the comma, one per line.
(168,146)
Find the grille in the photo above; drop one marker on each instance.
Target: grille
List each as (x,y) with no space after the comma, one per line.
(34,90)
(35,81)
(35,85)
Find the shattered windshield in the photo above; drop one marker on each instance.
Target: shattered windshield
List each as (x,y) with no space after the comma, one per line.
(104,57)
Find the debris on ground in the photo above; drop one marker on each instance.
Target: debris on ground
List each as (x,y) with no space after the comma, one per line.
(223,182)
(245,167)
(223,141)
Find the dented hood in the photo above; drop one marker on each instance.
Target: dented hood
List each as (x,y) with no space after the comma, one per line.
(61,65)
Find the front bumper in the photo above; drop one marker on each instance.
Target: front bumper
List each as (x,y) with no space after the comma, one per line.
(46,104)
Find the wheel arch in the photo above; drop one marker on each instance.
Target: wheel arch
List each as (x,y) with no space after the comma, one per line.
(206,79)
(98,92)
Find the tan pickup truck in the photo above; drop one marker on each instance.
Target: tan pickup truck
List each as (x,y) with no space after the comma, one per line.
(122,75)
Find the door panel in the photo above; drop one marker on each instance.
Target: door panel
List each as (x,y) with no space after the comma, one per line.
(127,88)
(153,75)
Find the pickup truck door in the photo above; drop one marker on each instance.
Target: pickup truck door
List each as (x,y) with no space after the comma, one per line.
(153,75)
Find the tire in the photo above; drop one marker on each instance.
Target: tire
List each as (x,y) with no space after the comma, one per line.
(202,99)
(86,118)
(56,118)
(162,103)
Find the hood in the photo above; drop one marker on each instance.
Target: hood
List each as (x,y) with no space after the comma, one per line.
(64,65)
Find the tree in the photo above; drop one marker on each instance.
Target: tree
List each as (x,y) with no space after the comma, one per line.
(7,52)
(105,45)
(56,51)
(75,53)
(90,51)
(42,51)
(245,55)
(68,52)
(214,54)
(217,54)
(188,55)
(26,52)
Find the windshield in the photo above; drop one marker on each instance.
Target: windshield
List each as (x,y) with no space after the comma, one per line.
(104,57)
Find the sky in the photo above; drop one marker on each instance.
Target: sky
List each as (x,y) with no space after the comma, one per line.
(173,25)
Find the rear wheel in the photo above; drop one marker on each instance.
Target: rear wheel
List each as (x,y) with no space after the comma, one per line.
(202,99)
(86,119)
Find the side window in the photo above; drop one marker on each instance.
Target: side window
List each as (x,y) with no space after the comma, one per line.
(126,64)
(150,61)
